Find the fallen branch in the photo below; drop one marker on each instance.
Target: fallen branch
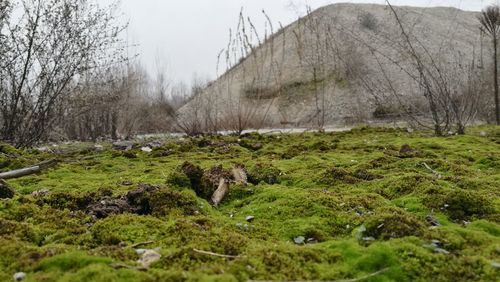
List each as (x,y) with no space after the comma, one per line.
(126,266)
(140,244)
(437,174)
(28,170)
(221,192)
(346,280)
(214,254)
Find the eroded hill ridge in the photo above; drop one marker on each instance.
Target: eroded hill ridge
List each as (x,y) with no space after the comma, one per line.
(326,67)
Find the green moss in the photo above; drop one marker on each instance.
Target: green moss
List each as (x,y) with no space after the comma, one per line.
(461,204)
(393,223)
(325,187)
(266,173)
(168,201)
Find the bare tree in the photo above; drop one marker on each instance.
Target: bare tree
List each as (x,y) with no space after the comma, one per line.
(47,48)
(490,24)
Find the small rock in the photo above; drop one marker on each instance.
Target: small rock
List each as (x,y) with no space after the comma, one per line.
(441,251)
(250,218)
(126,183)
(368,239)
(299,240)
(495,264)
(6,192)
(240,175)
(436,242)
(40,193)
(98,148)
(123,145)
(432,221)
(312,241)
(149,257)
(140,251)
(406,151)
(483,134)
(146,149)
(19,276)
(44,150)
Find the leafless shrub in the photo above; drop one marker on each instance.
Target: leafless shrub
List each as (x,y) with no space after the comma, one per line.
(46,50)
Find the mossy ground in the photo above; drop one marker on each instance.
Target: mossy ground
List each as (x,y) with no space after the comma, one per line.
(360,205)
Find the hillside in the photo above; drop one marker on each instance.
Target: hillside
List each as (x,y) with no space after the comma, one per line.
(325,68)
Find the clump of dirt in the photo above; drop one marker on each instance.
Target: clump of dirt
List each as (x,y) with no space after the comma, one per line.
(144,200)
(293,151)
(461,204)
(407,152)
(323,146)
(165,150)
(178,179)
(108,206)
(166,201)
(391,223)
(382,162)
(253,146)
(6,192)
(266,173)
(129,154)
(211,179)
(337,175)
(364,174)
(194,173)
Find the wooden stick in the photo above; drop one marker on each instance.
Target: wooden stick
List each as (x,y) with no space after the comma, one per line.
(214,254)
(19,172)
(27,171)
(140,244)
(437,174)
(221,192)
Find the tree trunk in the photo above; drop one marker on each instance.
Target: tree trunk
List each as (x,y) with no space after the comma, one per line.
(495,73)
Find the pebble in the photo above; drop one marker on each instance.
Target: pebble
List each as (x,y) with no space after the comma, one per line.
(299,240)
(250,218)
(40,193)
(149,257)
(441,251)
(146,149)
(140,251)
(19,276)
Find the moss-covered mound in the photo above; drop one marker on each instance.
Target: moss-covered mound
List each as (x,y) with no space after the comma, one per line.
(371,204)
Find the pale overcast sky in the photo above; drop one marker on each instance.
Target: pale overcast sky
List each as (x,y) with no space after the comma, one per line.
(187,35)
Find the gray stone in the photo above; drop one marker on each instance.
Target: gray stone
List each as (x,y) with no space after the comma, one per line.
(299,240)
(123,145)
(149,257)
(40,193)
(19,276)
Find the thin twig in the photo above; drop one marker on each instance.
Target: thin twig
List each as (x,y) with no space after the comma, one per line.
(437,174)
(214,254)
(141,244)
(126,266)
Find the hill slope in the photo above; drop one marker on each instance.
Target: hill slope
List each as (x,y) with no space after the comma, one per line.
(324,68)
